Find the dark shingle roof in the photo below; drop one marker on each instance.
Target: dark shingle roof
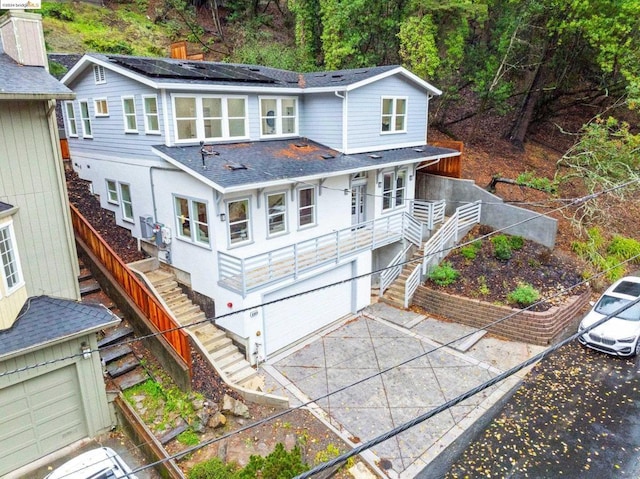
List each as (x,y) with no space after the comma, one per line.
(244,164)
(44,319)
(27,82)
(67,60)
(343,77)
(5,206)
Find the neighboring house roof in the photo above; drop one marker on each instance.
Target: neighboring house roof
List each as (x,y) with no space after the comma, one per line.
(234,166)
(199,75)
(5,206)
(18,82)
(44,320)
(67,60)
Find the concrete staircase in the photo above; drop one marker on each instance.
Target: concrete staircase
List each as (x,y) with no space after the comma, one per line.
(221,351)
(394,295)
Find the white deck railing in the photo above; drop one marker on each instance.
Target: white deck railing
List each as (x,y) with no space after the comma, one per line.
(428,212)
(393,270)
(244,275)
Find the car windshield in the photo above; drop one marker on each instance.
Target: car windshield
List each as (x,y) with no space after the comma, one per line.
(610,304)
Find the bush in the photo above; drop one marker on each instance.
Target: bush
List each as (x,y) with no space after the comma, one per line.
(523,295)
(61,11)
(213,469)
(102,45)
(280,464)
(625,248)
(501,247)
(516,242)
(188,438)
(470,251)
(445,274)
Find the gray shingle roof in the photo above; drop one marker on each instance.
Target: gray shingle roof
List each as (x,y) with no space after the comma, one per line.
(44,319)
(18,81)
(5,206)
(343,77)
(285,160)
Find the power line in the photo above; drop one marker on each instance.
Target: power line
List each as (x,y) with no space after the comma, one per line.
(379,373)
(577,200)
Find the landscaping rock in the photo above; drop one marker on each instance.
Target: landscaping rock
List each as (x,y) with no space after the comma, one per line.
(217,420)
(235,407)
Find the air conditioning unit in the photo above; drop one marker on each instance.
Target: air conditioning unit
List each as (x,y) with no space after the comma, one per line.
(147,226)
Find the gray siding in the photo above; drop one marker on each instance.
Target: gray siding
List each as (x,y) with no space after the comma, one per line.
(33,180)
(364,115)
(108,131)
(321,119)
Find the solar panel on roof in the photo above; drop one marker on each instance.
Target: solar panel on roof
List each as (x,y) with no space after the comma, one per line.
(160,68)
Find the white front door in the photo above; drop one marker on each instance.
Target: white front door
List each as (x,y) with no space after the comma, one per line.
(358,196)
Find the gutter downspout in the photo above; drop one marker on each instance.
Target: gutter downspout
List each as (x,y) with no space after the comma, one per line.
(345,116)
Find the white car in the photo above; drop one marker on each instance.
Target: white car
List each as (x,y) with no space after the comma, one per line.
(101,463)
(618,335)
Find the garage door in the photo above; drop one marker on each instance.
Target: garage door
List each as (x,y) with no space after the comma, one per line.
(288,321)
(40,416)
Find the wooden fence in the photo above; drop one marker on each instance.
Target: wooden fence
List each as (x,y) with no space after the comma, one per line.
(137,291)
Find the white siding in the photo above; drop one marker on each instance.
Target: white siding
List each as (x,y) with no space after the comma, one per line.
(322,119)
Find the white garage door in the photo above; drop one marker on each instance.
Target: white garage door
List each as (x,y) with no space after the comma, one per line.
(40,416)
(287,321)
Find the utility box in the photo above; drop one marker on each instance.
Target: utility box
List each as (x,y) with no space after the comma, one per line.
(146,226)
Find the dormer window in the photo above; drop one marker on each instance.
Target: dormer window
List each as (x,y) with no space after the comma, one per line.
(394,115)
(209,118)
(99,74)
(278,116)
(11,272)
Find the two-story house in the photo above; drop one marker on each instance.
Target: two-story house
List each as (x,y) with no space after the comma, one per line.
(52,392)
(257,185)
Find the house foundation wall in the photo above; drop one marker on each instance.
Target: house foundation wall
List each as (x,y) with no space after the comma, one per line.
(542,328)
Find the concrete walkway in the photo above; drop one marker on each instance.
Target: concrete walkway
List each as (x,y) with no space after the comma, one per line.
(386,339)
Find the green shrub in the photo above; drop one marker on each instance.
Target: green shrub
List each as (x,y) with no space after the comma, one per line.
(523,295)
(470,251)
(501,247)
(444,274)
(213,469)
(516,242)
(61,11)
(102,45)
(188,438)
(483,287)
(280,464)
(625,248)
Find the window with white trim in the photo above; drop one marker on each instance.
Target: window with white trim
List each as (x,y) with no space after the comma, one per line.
(277,213)
(85,119)
(306,206)
(129,114)
(394,115)
(99,74)
(101,107)
(151,121)
(72,126)
(11,271)
(239,221)
(192,220)
(278,116)
(209,117)
(394,187)
(112,192)
(125,202)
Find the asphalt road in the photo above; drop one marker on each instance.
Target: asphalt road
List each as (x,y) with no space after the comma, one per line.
(576,415)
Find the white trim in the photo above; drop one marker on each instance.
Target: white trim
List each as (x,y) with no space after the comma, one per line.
(97,114)
(285,213)
(249,238)
(147,130)
(169,141)
(278,116)
(99,75)
(115,201)
(122,202)
(315,206)
(68,120)
(394,115)
(193,218)
(126,116)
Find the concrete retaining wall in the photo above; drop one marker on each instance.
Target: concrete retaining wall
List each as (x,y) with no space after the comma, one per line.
(530,327)
(494,213)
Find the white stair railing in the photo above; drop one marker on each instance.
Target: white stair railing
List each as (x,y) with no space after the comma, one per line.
(393,270)
(428,212)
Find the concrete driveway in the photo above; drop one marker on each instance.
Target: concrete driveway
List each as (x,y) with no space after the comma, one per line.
(380,344)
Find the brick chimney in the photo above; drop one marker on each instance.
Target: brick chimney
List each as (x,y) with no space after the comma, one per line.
(23,39)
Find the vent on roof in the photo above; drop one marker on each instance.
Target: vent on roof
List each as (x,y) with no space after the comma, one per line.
(301,145)
(374,156)
(418,150)
(235,166)
(360,72)
(326,156)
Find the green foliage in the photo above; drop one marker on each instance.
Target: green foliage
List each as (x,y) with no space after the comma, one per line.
(188,438)
(483,287)
(625,249)
(106,45)
(444,274)
(523,295)
(61,11)
(470,251)
(606,256)
(213,469)
(280,464)
(516,242)
(502,249)
(418,48)
(542,184)
(57,70)
(261,49)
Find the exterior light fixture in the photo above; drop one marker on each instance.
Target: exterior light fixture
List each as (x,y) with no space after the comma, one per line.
(86,350)
(223,217)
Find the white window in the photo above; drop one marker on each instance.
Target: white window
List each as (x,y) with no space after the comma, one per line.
(239,220)
(278,116)
(394,187)
(11,272)
(210,117)
(112,192)
(277,213)
(394,115)
(99,75)
(151,122)
(125,202)
(129,113)
(192,220)
(101,107)
(72,126)
(86,119)
(306,206)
